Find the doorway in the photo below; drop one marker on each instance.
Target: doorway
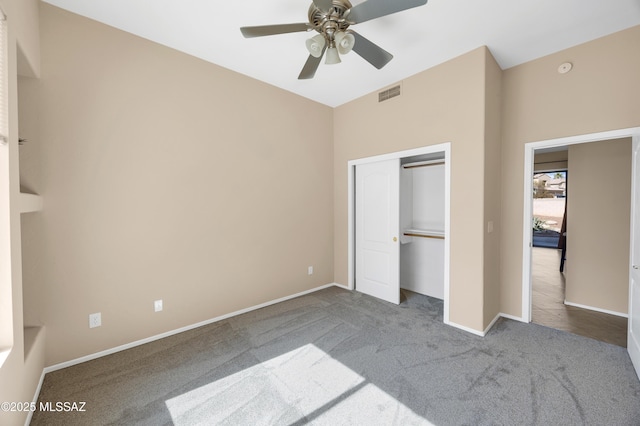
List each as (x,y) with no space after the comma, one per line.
(634,234)
(550,305)
(442,151)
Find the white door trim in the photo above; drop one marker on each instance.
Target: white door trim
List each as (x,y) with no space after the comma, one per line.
(529,152)
(633,344)
(443,147)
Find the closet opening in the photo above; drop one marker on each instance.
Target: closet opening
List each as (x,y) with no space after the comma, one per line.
(399,224)
(422,224)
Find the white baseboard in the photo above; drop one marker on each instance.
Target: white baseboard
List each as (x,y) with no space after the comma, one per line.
(176,331)
(467,329)
(591,308)
(493,321)
(513,317)
(342,286)
(491,324)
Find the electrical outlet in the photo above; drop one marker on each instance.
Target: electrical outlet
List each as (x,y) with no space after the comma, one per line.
(157,305)
(310,270)
(95,320)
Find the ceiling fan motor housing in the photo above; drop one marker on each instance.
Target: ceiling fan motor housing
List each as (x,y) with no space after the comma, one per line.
(330,22)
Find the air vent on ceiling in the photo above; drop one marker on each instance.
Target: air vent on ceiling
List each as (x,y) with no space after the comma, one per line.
(389,93)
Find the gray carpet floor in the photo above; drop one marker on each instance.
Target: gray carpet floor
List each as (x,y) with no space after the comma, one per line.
(337,357)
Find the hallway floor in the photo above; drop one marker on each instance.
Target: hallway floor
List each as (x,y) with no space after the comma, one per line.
(549,310)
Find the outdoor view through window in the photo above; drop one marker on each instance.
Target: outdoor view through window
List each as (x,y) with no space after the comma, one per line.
(549,208)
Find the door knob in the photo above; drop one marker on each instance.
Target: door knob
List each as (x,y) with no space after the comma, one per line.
(636,267)
(395,239)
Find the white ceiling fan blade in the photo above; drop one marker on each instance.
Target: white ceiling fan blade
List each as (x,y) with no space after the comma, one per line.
(371,52)
(372,9)
(267,30)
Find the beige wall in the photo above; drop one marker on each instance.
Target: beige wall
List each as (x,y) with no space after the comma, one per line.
(443,104)
(600,93)
(20,373)
(556,160)
(492,190)
(166,177)
(598,217)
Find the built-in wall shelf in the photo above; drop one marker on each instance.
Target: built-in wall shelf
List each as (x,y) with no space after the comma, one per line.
(29,202)
(424,233)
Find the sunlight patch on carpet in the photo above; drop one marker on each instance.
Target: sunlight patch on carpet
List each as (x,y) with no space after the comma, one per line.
(305,384)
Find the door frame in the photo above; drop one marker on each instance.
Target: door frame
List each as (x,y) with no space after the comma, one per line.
(432,149)
(632,347)
(529,153)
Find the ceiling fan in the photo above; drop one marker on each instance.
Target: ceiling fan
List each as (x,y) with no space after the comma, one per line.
(331,19)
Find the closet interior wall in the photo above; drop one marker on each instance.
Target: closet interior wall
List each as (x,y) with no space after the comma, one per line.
(422,200)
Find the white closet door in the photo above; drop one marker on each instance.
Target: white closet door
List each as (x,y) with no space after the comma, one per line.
(377,227)
(633,338)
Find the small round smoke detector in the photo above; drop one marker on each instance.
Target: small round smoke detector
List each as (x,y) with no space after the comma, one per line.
(565,68)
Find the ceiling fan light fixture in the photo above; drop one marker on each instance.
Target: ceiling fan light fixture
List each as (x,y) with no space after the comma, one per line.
(332,56)
(332,20)
(315,45)
(344,42)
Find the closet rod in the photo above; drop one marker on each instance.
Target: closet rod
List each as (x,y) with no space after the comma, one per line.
(422,164)
(437,237)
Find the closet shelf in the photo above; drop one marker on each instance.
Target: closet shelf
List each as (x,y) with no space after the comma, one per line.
(424,233)
(29,203)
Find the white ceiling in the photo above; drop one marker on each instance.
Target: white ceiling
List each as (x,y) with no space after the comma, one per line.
(516,31)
